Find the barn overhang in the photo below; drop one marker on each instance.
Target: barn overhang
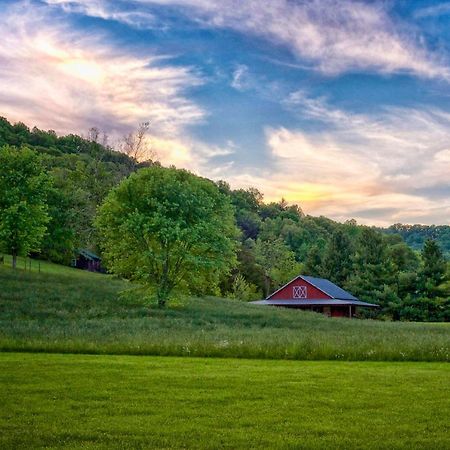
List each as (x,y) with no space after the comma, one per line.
(314,302)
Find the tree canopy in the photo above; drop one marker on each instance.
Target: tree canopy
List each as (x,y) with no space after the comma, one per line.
(24,187)
(168,228)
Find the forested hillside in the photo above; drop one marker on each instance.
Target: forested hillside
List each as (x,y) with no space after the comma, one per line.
(275,241)
(416,235)
(83,170)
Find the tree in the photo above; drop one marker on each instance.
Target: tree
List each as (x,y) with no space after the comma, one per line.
(137,146)
(337,260)
(313,262)
(373,275)
(59,241)
(434,268)
(168,228)
(24,187)
(277,261)
(241,289)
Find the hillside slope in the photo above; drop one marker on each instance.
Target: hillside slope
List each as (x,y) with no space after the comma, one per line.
(67,310)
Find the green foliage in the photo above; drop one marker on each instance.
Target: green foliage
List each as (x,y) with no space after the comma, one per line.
(83,172)
(126,402)
(372,275)
(416,235)
(60,239)
(337,260)
(24,188)
(434,268)
(168,228)
(242,290)
(277,261)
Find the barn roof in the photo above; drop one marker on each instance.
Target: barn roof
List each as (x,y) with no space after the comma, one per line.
(326,286)
(329,288)
(314,302)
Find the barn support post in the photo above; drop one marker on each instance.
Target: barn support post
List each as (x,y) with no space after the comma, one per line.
(350,311)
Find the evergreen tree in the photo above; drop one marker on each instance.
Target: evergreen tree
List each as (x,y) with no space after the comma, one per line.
(433,271)
(373,276)
(337,260)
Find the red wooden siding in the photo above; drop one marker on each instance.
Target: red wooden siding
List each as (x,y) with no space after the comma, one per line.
(311,291)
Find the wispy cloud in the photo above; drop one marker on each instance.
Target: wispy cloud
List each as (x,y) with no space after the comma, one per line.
(433,11)
(333,36)
(378,169)
(52,75)
(240,79)
(107,11)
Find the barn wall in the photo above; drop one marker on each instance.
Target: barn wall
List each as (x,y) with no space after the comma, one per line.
(287,292)
(341,311)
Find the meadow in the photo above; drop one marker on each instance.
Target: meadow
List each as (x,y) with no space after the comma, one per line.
(65,310)
(98,401)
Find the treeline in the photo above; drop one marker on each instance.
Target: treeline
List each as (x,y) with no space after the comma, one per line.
(416,235)
(276,241)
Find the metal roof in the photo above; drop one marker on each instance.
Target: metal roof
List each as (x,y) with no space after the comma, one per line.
(314,302)
(329,288)
(88,254)
(322,284)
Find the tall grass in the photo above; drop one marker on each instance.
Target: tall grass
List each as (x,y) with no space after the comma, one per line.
(67,310)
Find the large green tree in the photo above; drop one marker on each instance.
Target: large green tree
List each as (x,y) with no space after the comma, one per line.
(168,228)
(24,187)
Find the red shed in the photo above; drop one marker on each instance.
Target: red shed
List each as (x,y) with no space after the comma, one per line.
(315,294)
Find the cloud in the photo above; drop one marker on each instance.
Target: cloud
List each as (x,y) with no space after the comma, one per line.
(54,76)
(378,169)
(240,80)
(107,11)
(433,11)
(334,36)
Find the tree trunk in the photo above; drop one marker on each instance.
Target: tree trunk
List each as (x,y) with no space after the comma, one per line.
(267,285)
(162,296)
(14,260)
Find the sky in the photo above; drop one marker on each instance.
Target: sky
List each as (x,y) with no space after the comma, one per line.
(340,106)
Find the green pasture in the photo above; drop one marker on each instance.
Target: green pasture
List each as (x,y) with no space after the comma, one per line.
(67,310)
(92,401)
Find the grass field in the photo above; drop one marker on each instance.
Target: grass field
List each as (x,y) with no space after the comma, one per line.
(82,401)
(67,310)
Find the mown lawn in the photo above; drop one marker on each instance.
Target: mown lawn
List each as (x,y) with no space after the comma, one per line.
(89,401)
(68,310)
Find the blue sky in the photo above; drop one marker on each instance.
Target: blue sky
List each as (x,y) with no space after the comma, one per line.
(340,106)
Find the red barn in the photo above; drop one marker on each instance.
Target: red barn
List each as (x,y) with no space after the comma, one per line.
(315,294)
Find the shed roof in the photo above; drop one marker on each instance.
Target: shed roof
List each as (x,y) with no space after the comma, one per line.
(88,254)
